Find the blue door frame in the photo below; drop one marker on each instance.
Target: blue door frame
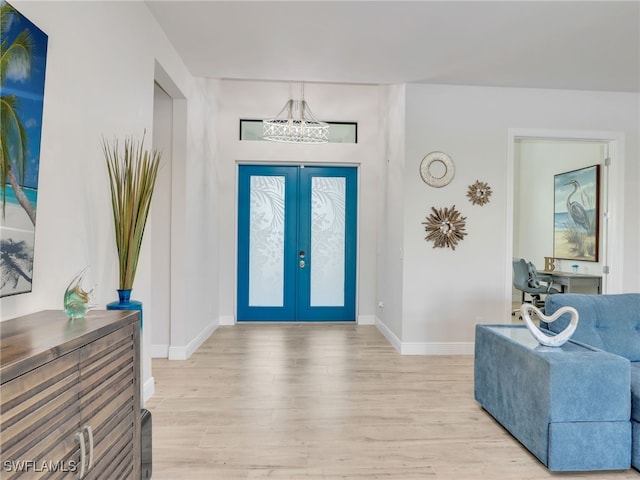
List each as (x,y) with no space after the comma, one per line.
(293,301)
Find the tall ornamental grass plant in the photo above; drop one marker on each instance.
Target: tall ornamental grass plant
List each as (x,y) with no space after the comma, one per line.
(132,176)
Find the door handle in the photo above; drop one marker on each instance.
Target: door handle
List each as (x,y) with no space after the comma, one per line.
(83,454)
(302,264)
(89,431)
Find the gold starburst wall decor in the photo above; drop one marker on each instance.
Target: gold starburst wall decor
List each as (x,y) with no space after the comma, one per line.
(445,227)
(479,193)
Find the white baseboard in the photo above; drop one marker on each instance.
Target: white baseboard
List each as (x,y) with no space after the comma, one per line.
(366,319)
(227,320)
(159,351)
(437,348)
(424,348)
(148,389)
(184,352)
(389,335)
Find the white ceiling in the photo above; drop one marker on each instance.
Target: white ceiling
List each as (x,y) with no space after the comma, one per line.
(583,45)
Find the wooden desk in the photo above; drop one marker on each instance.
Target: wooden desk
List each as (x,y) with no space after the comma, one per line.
(569,282)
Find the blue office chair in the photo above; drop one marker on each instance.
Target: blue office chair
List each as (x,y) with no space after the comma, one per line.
(531,283)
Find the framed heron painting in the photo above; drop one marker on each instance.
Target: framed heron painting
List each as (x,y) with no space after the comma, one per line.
(576,228)
(24,52)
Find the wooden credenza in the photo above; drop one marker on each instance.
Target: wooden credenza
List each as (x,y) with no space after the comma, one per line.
(70,396)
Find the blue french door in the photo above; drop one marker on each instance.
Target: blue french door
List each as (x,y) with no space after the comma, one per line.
(296,243)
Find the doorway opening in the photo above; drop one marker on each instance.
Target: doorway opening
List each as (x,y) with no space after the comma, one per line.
(535,157)
(167,221)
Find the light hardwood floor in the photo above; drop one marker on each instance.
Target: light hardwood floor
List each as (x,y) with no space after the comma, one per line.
(328,401)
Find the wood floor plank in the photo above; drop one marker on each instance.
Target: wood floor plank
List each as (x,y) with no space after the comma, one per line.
(327,401)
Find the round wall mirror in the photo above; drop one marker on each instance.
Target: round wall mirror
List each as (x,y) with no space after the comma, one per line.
(437,169)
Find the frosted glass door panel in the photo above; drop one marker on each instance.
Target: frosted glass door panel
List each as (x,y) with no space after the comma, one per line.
(266,251)
(328,241)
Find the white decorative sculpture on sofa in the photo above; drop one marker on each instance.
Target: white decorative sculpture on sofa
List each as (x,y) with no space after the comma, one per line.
(542,338)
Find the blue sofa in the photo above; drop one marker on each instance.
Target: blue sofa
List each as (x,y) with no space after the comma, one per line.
(569,405)
(610,323)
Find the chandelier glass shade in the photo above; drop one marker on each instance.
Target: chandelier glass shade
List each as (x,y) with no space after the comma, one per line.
(295,124)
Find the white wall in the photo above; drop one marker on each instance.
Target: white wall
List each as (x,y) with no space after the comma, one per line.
(446,292)
(100,82)
(245,99)
(391,206)
(199,315)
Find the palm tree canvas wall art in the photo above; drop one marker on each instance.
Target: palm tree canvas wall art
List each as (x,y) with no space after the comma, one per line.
(576,214)
(23,52)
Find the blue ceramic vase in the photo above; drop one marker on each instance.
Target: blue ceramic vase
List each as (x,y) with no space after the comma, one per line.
(125,303)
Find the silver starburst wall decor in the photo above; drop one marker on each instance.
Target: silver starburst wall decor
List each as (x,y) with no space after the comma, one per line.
(445,227)
(479,193)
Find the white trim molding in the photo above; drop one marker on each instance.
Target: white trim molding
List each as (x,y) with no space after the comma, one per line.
(424,348)
(389,335)
(184,352)
(437,348)
(227,320)
(148,389)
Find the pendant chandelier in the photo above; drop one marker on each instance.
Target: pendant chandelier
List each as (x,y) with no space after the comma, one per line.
(295,124)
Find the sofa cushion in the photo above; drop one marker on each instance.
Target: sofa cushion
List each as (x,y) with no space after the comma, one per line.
(608,322)
(635,391)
